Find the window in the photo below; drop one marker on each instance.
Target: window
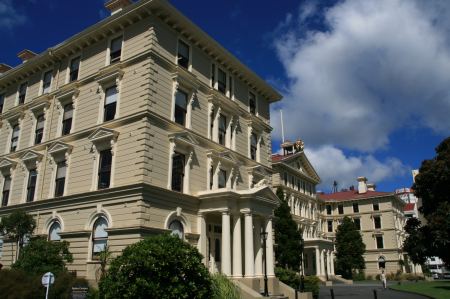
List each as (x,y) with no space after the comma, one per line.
(46,82)
(357,222)
(355,208)
(6,189)
(22,92)
(222,81)
(73,69)
(253,146)
(381,262)
(211,178)
(99,237)
(1,246)
(178,163)
(230,86)
(183,54)
(110,103)
(104,169)
(328,207)
(181,99)
(67,119)
(376,207)
(341,209)
(115,50)
(285,178)
(53,232)
(222,129)
(60,179)
(252,103)
(377,222)
(330,226)
(222,178)
(39,133)
(380,244)
(15,138)
(2,100)
(31,187)
(213,74)
(217,250)
(177,229)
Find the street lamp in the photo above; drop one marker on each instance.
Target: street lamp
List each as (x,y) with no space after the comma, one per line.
(266,289)
(302,273)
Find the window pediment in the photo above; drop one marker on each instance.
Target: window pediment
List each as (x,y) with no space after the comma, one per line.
(110,75)
(184,139)
(59,151)
(6,166)
(225,157)
(68,94)
(185,79)
(30,159)
(103,138)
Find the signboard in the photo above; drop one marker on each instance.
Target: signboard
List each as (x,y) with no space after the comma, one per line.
(79,292)
(48,278)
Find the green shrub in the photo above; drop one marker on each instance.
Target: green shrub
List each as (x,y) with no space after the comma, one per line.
(312,285)
(369,277)
(358,276)
(292,279)
(161,266)
(224,287)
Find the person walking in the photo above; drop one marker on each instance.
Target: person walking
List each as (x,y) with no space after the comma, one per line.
(383,279)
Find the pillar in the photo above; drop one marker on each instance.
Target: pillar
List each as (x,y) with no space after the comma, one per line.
(258,248)
(318,270)
(322,261)
(237,246)
(202,246)
(249,256)
(226,242)
(269,249)
(332,262)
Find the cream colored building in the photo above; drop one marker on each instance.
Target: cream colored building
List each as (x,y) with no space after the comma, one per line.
(380,218)
(140,124)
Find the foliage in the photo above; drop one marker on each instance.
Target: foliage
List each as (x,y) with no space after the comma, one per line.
(288,236)
(16,226)
(358,276)
(292,279)
(104,259)
(414,244)
(349,249)
(432,185)
(434,289)
(41,256)
(161,266)
(223,287)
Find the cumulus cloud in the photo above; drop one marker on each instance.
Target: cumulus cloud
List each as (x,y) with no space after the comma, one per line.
(374,67)
(9,16)
(333,165)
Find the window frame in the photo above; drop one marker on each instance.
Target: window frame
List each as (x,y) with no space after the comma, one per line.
(358,226)
(185,110)
(101,172)
(31,188)
(96,255)
(255,108)
(19,100)
(329,209)
(177,221)
(219,173)
(340,209)
(5,201)
(114,104)
(2,102)
(375,204)
(182,173)
(377,223)
(119,58)
(39,132)
(330,226)
(69,69)
(64,121)
(220,84)
(220,131)
(58,181)
(188,67)
(14,139)
(377,238)
(44,89)
(53,223)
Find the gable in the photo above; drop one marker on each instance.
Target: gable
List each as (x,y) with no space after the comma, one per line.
(102,134)
(59,147)
(300,164)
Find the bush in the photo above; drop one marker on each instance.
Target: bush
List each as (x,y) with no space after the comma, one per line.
(161,266)
(292,279)
(369,277)
(358,276)
(312,285)
(224,287)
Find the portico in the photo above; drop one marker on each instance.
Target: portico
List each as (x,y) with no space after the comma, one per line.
(319,258)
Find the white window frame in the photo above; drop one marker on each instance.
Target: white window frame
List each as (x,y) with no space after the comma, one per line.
(191,94)
(18,92)
(258,134)
(179,146)
(41,85)
(10,125)
(55,221)
(67,79)
(230,125)
(70,97)
(35,113)
(231,170)
(256,102)
(36,187)
(8,171)
(56,156)
(3,98)
(91,238)
(108,50)
(189,68)
(103,84)
(215,85)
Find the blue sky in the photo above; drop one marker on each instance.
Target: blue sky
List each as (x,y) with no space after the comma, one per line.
(365,83)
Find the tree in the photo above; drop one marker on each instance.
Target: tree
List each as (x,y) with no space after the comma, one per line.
(161,266)
(414,244)
(17,226)
(41,256)
(349,248)
(287,236)
(432,185)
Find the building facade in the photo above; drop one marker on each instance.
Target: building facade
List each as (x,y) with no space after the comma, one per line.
(140,124)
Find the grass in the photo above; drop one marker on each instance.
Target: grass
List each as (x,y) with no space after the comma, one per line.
(435,289)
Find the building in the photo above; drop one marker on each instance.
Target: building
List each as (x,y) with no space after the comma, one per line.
(296,176)
(140,124)
(378,215)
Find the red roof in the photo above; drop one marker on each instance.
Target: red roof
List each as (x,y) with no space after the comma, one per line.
(278,157)
(409,207)
(352,194)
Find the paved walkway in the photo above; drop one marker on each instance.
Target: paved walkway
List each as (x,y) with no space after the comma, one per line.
(364,291)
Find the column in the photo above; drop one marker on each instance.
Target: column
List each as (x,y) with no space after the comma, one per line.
(202,247)
(249,256)
(226,242)
(322,261)
(318,272)
(258,248)
(237,246)
(328,262)
(269,249)
(332,262)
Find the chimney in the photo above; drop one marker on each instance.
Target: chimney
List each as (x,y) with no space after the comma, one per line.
(26,55)
(4,68)
(362,184)
(114,6)
(371,187)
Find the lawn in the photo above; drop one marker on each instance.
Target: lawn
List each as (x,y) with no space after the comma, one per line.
(435,289)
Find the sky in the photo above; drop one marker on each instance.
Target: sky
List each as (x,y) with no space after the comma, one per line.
(365,83)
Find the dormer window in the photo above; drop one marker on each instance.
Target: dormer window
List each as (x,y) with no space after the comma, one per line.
(183,54)
(74,68)
(115,50)
(46,82)
(22,93)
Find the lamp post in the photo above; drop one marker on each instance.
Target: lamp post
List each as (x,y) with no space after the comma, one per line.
(302,273)
(266,289)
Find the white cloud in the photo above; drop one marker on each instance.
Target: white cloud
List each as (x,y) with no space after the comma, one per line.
(9,16)
(381,66)
(333,165)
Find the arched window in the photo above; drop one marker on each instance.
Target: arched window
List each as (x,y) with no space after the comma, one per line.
(381,262)
(177,229)
(53,232)
(99,237)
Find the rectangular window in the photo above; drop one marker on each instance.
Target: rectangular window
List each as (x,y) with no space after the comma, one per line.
(2,101)
(213,75)
(222,178)
(341,209)
(285,178)
(6,188)
(104,169)
(181,99)
(115,50)
(357,222)
(253,146)
(22,92)
(73,70)
(355,208)
(328,207)
(211,178)
(230,87)
(39,133)
(67,119)
(183,54)
(15,138)
(222,81)
(31,187)
(46,82)
(252,103)
(60,178)
(110,103)
(377,222)
(222,129)
(380,243)
(376,207)
(330,226)
(178,163)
